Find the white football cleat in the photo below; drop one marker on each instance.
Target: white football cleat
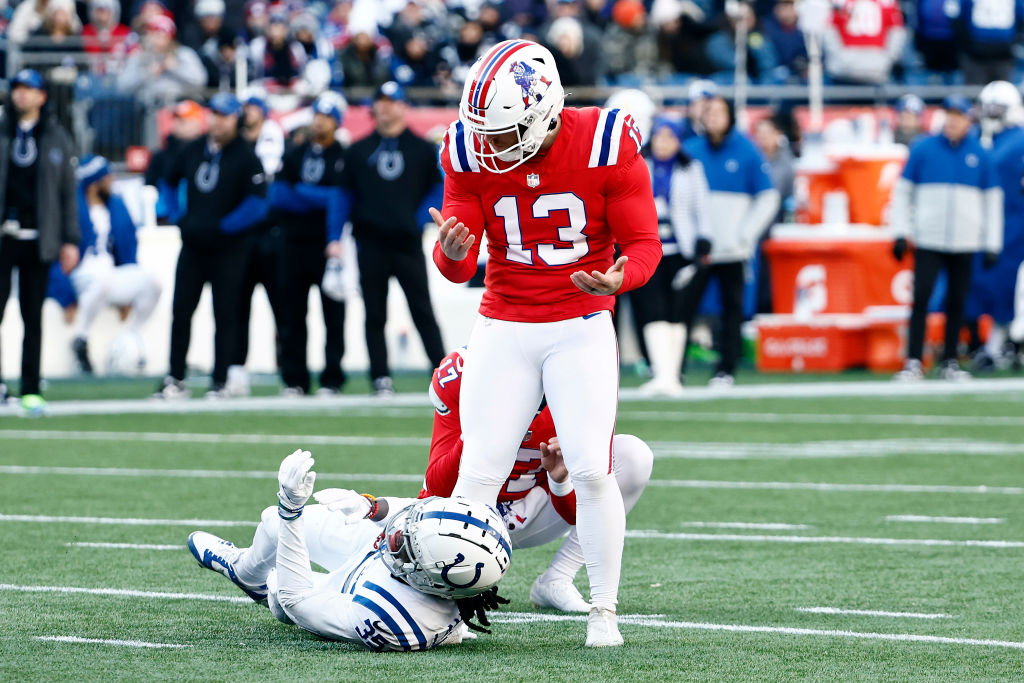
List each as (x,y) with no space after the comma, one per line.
(213,552)
(559,594)
(912,371)
(603,628)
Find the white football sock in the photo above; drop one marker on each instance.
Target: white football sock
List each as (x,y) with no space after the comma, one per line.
(601,525)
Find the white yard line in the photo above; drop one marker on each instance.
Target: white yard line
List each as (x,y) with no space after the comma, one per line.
(124,593)
(838,449)
(1011,387)
(186,437)
(198,474)
(821,418)
(875,613)
(106,641)
(945,520)
(764,526)
(128,521)
(856,540)
(417,478)
(847,488)
(125,546)
(656,622)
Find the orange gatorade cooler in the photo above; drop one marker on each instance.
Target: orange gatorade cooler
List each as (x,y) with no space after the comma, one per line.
(868,177)
(813,181)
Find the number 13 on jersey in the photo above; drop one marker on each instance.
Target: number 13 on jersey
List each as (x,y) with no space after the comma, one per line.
(507,209)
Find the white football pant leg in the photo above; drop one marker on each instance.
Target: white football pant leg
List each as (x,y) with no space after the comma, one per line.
(581,382)
(331,543)
(501,390)
(1016,331)
(632,461)
(92,299)
(133,286)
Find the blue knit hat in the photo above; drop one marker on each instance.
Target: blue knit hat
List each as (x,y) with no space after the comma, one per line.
(29,78)
(91,169)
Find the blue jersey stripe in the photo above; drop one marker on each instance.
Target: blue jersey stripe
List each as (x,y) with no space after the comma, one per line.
(606,138)
(472,521)
(353,576)
(386,618)
(401,610)
(483,73)
(460,146)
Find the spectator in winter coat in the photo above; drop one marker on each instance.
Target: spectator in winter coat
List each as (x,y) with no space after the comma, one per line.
(864,41)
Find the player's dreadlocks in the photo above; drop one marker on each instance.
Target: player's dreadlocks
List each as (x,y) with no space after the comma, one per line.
(477,607)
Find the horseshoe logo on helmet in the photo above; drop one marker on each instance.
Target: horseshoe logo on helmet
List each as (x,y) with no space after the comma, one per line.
(448,567)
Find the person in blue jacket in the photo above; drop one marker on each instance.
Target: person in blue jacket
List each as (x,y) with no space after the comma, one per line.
(948,201)
(742,204)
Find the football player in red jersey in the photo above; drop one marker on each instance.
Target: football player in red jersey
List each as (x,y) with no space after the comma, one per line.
(555,190)
(537,501)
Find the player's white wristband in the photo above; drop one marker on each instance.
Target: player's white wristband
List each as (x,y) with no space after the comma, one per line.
(560,489)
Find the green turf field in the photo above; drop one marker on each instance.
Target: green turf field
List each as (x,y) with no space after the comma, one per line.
(707,591)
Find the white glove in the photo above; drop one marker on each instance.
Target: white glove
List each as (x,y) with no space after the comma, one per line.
(683,277)
(296,483)
(333,283)
(352,506)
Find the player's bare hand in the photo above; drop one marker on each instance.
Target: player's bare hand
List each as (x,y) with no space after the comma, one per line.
(598,283)
(455,237)
(551,460)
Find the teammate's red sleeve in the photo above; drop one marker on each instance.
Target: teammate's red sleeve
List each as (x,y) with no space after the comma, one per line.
(443,468)
(633,220)
(460,201)
(565,506)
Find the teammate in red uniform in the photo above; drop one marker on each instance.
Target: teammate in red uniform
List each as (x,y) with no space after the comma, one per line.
(537,501)
(554,189)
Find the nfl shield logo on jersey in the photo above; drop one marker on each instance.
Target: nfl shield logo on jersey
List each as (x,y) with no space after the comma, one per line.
(533,180)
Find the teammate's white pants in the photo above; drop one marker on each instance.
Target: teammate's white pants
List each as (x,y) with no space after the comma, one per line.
(98,284)
(574,363)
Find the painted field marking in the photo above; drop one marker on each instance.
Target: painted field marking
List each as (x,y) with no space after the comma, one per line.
(765,526)
(644,620)
(851,448)
(105,641)
(821,418)
(186,437)
(199,474)
(129,521)
(855,540)
(823,486)
(277,405)
(124,546)
(945,520)
(125,593)
(875,613)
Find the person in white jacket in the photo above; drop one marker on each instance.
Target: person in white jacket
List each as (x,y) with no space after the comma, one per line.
(742,204)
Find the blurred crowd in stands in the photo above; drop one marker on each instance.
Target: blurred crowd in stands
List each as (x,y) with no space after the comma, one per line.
(166,49)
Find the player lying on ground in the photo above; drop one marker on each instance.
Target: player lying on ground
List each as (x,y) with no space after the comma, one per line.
(404,574)
(537,501)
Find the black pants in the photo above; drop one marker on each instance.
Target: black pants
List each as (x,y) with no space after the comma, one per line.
(378,261)
(304,268)
(656,300)
(33,276)
(927,264)
(980,70)
(938,55)
(223,268)
(264,264)
(730,282)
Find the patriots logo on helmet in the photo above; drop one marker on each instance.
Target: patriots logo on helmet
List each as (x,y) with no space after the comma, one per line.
(526,78)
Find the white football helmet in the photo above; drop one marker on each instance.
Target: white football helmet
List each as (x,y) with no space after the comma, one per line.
(1001,104)
(513,87)
(639,105)
(450,547)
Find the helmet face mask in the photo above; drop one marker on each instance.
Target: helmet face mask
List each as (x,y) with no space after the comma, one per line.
(451,548)
(1001,106)
(513,88)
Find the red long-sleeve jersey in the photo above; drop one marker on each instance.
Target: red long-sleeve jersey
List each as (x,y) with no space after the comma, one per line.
(446,445)
(562,211)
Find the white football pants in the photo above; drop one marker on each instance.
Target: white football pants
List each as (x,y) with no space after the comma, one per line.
(508,367)
(98,284)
